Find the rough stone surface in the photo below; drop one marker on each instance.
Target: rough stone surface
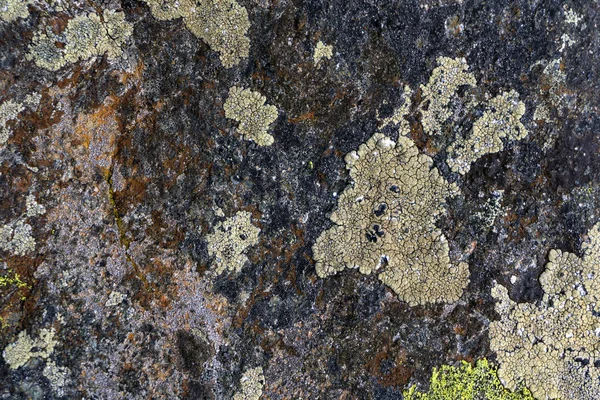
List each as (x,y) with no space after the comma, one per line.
(119,163)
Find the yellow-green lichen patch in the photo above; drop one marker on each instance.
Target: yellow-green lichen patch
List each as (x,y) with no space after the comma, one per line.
(222,24)
(10,10)
(16,238)
(442,86)
(249,109)
(85,36)
(25,348)
(230,240)
(501,120)
(8,111)
(466,382)
(251,383)
(44,52)
(554,347)
(322,51)
(385,223)
(13,282)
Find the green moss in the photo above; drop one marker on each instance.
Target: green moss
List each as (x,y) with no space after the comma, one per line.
(13,279)
(9,280)
(466,383)
(10,10)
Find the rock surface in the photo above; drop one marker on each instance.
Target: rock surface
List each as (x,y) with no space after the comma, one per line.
(119,167)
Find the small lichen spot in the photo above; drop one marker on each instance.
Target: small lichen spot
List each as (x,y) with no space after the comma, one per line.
(230,240)
(251,383)
(254,116)
(322,51)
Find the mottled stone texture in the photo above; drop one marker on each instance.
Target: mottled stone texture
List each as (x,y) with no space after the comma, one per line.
(118,166)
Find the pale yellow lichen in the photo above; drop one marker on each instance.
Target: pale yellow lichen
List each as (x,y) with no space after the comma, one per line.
(33,207)
(32,100)
(385,223)
(249,109)
(501,120)
(85,36)
(57,376)
(251,384)
(114,299)
(10,10)
(439,91)
(322,51)
(8,111)
(399,113)
(230,240)
(44,53)
(88,36)
(554,347)
(16,238)
(222,24)
(542,113)
(25,348)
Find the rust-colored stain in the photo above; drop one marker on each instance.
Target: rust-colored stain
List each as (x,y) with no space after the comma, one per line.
(309,116)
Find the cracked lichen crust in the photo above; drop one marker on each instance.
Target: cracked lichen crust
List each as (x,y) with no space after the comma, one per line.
(501,120)
(254,116)
(230,240)
(466,382)
(554,347)
(222,24)
(251,384)
(25,348)
(85,36)
(385,223)
(442,86)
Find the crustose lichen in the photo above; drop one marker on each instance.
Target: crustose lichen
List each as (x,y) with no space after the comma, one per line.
(85,36)
(10,10)
(251,385)
(385,223)
(230,240)
(223,24)
(249,109)
(554,347)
